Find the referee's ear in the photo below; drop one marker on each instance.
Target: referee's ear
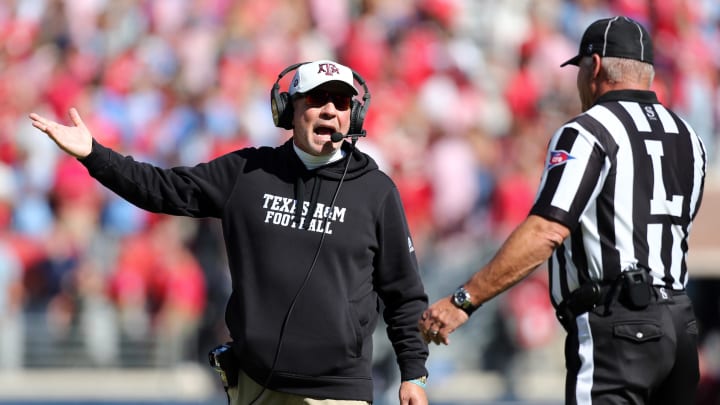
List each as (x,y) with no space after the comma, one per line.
(596,65)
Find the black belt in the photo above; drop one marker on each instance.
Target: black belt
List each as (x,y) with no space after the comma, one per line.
(632,287)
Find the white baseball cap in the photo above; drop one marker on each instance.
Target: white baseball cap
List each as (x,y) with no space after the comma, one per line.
(313,74)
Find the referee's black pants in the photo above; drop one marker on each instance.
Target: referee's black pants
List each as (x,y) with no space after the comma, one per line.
(616,355)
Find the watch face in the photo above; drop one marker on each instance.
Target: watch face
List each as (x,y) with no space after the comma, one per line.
(461,297)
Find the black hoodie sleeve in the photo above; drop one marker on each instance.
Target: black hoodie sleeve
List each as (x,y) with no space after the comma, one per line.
(400,287)
(199,191)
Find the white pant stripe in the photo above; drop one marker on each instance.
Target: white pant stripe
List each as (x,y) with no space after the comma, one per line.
(587,366)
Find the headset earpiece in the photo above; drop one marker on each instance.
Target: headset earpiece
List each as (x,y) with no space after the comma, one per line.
(282,109)
(358,109)
(281,102)
(357,116)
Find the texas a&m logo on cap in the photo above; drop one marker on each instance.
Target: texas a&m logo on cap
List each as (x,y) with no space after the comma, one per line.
(328,68)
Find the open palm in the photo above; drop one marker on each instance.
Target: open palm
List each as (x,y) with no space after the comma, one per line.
(75,140)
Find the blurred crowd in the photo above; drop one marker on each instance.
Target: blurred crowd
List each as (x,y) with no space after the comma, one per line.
(465,95)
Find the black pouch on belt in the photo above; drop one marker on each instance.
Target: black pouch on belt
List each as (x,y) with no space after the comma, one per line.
(582,300)
(636,288)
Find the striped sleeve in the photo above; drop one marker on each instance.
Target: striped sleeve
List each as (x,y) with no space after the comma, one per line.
(576,167)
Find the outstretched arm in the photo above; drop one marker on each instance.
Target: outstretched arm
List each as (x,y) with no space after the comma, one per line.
(526,248)
(76,140)
(198,191)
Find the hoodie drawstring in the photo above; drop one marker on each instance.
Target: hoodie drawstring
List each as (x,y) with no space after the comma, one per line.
(314,197)
(300,199)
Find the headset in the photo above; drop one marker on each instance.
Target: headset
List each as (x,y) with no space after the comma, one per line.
(282,109)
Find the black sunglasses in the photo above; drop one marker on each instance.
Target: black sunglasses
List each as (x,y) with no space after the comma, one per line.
(318,98)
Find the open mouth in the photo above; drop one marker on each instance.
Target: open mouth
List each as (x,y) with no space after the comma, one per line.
(324,130)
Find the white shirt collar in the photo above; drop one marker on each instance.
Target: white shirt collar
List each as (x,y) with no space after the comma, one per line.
(313,162)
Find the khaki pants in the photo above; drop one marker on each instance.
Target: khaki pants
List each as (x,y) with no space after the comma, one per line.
(248,389)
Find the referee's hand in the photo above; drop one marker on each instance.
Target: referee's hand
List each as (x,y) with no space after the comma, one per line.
(440,320)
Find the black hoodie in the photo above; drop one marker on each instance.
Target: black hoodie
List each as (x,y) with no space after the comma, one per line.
(366,256)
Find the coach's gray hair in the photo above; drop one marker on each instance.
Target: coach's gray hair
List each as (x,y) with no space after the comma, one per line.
(621,70)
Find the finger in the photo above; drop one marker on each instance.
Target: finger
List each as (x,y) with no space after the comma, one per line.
(425,336)
(421,321)
(41,124)
(428,336)
(37,120)
(443,332)
(442,338)
(425,325)
(433,336)
(430,325)
(75,117)
(427,317)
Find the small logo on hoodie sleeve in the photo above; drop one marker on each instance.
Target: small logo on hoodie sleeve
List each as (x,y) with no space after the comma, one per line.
(411,248)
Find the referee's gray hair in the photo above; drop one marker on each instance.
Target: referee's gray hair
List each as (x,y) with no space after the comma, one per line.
(620,70)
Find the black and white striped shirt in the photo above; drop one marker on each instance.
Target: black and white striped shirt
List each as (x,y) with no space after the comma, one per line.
(626,177)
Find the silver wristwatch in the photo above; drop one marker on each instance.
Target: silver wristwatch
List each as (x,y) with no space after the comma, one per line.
(461,299)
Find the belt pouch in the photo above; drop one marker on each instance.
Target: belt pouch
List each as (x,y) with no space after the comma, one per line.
(636,289)
(582,300)
(223,360)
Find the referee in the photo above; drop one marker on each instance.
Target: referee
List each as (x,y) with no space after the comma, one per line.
(622,184)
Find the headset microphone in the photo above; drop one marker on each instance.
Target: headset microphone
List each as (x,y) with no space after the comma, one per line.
(337,136)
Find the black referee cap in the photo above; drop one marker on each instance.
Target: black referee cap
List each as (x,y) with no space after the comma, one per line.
(619,37)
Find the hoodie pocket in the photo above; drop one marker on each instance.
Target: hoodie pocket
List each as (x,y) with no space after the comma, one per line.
(363,316)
